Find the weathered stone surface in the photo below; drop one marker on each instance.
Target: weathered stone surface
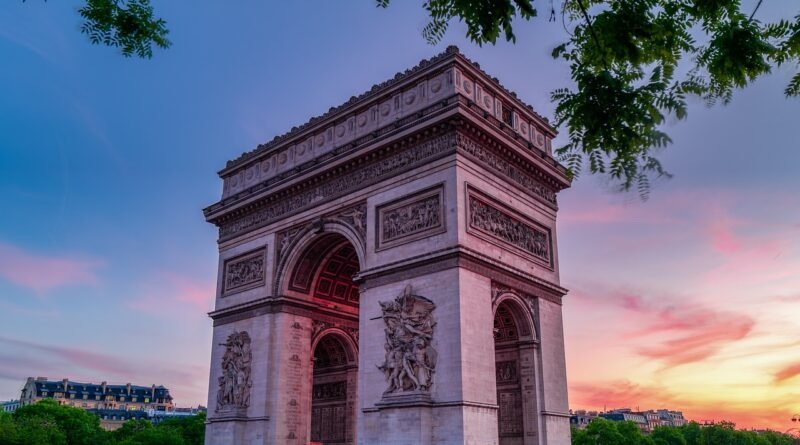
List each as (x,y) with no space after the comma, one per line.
(394,266)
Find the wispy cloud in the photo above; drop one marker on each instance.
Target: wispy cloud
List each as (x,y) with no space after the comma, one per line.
(25,358)
(787,372)
(42,273)
(675,330)
(167,293)
(617,394)
(611,394)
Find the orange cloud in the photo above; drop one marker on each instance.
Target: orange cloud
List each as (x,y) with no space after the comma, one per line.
(787,372)
(617,394)
(682,332)
(42,273)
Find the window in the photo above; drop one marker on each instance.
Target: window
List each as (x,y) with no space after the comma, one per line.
(85,396)
(97,397)
(72,396)
(133,399)
(147,400)
(121,398)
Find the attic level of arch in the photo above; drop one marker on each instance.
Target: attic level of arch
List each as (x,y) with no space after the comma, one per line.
(379,120)
(541,177)
(435,75)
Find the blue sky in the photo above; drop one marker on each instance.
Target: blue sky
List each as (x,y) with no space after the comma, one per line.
(107,268)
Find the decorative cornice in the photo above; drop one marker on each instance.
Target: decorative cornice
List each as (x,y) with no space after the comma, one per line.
(462,256)
(369,140)
(450,54)
(271,305)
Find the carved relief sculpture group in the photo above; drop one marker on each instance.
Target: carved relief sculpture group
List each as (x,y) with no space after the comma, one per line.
(234,383)
(410,358)
(245,271)
(507,228)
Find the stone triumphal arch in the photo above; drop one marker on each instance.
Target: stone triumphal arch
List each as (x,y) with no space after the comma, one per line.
(388,273)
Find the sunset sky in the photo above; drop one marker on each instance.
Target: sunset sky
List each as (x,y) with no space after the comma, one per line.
(689,301)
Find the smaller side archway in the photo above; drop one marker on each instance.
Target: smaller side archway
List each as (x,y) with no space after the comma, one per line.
(333,388)
(516,371)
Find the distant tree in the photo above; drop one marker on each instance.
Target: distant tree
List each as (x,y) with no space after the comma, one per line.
(692,433)
(77,426)
(191,428)
(667,435)
(154,436)
(606,432)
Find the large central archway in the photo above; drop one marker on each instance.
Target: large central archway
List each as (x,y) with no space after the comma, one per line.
(321,272)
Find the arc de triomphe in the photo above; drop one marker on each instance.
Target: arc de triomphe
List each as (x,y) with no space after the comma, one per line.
(388,273)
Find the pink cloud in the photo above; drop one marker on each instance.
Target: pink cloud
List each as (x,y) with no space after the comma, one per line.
(617,394)
(689,332)
(672,331)
(42,273)
(787,372)
(722,237)
(169,293)
(23,358)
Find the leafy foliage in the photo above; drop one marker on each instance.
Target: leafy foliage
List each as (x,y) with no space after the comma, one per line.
(48,423)
(126,24)
(605,432)
(633,64)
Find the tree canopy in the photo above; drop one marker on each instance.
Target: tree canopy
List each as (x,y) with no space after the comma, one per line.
(606,432)
(49,423)
(633,63)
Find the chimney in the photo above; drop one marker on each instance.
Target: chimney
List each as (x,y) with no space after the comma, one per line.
(153,393)
(103,388)
(129,388)
(66,385)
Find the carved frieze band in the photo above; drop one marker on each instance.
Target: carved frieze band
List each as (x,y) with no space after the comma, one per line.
(411,218)
(244,272)
(490,220)
(495,162)
(340,185)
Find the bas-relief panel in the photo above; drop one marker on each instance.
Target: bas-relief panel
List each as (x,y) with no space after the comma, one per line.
(410,218)
(245,271)
(493,221)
